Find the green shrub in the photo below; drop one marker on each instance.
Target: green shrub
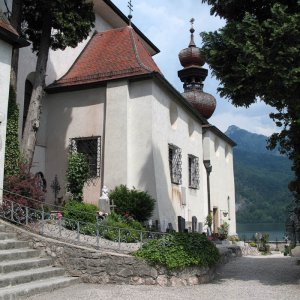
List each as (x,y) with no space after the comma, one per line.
(223,231)
(79,211)
(77,174)
(138,204)
(23,188)
(253,244)
(180,250)
(115,225)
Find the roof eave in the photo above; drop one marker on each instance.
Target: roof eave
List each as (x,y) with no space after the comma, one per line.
(182,100)
(53,88)
(219,133)
(15,40)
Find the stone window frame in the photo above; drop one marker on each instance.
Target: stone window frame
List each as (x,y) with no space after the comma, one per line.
(175,164)
(193,168)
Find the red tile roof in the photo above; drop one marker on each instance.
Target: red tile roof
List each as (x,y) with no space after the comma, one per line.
(113,54)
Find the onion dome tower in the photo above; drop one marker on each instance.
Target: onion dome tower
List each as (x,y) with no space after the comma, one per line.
(192,75)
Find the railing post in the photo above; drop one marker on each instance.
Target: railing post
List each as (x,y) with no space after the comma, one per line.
(26,215)
(12,212)
(43,219)
(59,226)
(141,238)
(119,238)
(78,231)
(97,238)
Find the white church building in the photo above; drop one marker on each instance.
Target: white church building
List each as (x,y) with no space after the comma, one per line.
(108,99)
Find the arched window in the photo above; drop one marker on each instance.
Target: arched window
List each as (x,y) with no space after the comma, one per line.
(27,96)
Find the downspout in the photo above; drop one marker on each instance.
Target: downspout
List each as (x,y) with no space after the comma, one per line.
(208,168)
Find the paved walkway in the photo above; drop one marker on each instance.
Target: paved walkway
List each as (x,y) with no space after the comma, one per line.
(252,277)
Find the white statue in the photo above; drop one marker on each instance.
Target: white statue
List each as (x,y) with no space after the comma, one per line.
(104,204)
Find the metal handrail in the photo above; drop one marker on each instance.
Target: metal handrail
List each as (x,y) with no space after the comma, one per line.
(95,235)
(41,203)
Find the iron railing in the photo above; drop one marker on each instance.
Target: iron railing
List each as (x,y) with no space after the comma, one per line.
(94,235)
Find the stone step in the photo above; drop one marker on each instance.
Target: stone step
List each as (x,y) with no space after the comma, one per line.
(7,235)
(20,277)
(36,287)
(2,227)
(15,254)
(12,244)
(24,264)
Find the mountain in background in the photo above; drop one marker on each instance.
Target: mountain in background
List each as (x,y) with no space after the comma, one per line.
(261,179)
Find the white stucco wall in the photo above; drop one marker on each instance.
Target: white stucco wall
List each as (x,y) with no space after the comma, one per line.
(138,131)
(5,61)
(72,115)
(185,133)
(116,134)
(222,188)
(59,62)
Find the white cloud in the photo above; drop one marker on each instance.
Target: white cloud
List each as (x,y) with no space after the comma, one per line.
(166,24)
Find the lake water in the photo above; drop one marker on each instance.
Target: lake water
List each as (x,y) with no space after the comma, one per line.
(275,231)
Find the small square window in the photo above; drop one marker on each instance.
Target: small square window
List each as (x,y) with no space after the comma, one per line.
(193,172)
(175,164)
(91,148)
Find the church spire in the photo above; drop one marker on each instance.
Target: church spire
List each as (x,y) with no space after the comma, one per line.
(193,75)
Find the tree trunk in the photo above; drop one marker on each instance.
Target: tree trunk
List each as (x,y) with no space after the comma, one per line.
(15,21)
(34,112)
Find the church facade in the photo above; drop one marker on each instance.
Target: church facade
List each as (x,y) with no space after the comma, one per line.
(107,98)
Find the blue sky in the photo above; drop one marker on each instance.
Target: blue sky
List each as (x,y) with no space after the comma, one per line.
(166,24)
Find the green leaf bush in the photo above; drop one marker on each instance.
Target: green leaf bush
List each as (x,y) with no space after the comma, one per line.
(136,203)
(180,250)
(115,226)
(85,213)
(77,174)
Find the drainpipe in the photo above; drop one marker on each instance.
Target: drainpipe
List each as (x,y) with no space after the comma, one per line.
(208,168)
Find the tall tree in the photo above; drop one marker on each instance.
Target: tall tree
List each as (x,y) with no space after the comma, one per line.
(256,57)
(52,24)
(15,21)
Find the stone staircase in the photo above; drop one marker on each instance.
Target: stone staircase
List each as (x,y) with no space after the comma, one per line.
(23,272)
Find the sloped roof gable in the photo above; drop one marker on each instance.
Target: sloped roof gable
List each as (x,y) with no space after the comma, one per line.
(113,54)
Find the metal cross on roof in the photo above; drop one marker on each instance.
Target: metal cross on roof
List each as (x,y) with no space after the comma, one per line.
(192,21)
(130,6)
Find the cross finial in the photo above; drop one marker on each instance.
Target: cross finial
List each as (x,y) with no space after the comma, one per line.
(192,20)
(130,6)
(192,30)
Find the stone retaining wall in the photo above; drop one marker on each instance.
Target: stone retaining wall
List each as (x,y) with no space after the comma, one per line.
(93,266)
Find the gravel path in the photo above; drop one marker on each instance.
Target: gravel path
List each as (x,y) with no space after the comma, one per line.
(252,277)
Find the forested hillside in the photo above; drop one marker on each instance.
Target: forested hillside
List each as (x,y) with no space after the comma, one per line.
(261,179)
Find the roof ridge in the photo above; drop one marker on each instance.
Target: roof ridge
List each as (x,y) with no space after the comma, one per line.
(136,51)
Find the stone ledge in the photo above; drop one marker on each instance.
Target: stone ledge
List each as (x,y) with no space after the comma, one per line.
(95,266)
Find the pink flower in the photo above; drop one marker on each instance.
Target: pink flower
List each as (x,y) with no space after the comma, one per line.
(59,216)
